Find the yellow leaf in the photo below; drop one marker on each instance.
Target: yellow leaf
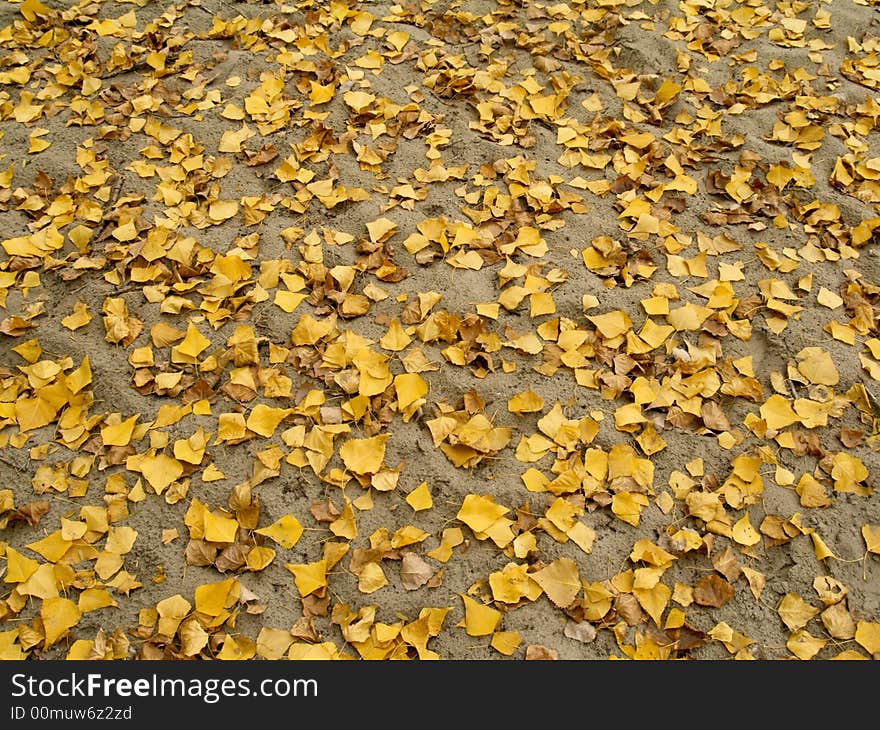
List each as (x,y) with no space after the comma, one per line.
(213,599)
(288,300)
(309,577)
(828,298)
(171,612)
(79,318)
(53,547)
(59,615)
(160,471)
(193,344)
(42,584)
(231,427)
(628,506)
(583,536)
(263,419)
(286,531)
(364,456)
(18,567)
(645,551)
(273,643)
(795,612)
(193,638)
(29,350)
(321,94)
(219,528)
(344,526)
(192,450)
(420,498)
(120,433)
(371,578)
(871,533)
(33,413)
(817,365)
(847,471)
(868,636)
(804,645)
(479,620)
(91,599)
(259,558)
(309,331)
(654,600)
(410,389)
(480,512)
(744,533)
(358,100)
(611,324)
(560,581)
(237,650)
(121,539)
(9,649)
(31,8)
(778,413)
(525,402)
(396,338)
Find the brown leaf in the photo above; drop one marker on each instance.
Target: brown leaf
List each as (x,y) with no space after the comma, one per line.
(304,629)
(713,417)
(324,511)
(15,326)
(725,562)
(713,591)
(686,637)
(628,607)
(317,603)
(32,513)
(266,153)
(583,631)
(537,652)
(198,552)
(232,558)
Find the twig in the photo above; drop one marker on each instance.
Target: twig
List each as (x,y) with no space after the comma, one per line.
(12,464)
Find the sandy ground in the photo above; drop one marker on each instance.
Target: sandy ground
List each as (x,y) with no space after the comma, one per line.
(532,113)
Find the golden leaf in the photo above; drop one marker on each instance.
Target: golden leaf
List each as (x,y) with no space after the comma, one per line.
(79,318)
(420,498)
(263,419)
(479,512)
(273,643)
(479,620)
(18,567)
(364,456)
(219,527)
(120,433)
(59,615)
(560,580)
(371,578)
(805,646)
(286,531)
(628,506)
(160,471)
(506,642)
(795,612)
(309,577)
